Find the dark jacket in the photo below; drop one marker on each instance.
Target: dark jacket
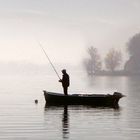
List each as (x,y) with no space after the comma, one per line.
(65,80)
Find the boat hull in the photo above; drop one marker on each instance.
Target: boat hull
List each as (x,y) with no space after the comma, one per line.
(82,99)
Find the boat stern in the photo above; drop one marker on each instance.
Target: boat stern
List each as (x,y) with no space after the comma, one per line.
(118,95)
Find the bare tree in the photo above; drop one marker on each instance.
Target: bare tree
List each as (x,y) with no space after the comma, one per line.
(113,59)
(93,63)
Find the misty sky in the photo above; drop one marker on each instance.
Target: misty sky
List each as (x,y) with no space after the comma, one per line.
(64,27)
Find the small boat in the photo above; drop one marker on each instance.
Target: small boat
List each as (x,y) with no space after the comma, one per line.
(106,100)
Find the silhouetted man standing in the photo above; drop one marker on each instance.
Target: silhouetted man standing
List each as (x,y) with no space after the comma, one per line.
(65,81)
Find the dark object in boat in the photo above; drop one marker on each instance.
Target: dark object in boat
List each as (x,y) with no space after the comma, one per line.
(83,99)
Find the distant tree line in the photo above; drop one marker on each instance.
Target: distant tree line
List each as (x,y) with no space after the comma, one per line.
(94,64)
(111,63)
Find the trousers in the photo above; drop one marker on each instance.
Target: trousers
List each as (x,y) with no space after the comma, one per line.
(65,89)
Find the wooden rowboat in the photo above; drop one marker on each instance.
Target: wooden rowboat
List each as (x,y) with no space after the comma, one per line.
(83,99)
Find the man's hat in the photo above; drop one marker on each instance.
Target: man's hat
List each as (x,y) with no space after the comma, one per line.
(64,70)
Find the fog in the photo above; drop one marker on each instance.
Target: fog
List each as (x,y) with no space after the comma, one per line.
(64,28)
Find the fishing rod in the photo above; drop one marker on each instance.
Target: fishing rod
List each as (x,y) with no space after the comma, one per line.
(49,60)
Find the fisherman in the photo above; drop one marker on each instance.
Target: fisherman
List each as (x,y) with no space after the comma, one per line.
(65,81)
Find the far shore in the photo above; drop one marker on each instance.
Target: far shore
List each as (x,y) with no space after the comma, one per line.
(114,73)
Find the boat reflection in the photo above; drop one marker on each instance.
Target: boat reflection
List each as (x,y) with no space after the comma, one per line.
(65,123)
(65,118)
(61,124)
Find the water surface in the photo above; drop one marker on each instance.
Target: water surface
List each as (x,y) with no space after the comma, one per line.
(21,118)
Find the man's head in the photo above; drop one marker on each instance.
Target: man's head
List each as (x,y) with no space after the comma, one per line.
(64,71)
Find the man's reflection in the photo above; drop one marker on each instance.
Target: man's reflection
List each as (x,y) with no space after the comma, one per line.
(65,123)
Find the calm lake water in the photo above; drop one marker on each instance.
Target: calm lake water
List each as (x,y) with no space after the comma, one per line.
(22,119)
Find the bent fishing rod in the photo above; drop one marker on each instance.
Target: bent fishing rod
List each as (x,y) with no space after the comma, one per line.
(49,60)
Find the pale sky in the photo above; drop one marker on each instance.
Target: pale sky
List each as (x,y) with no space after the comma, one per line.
(65,28)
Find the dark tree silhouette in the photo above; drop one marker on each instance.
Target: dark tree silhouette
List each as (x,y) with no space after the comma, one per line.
(133,47)
(93,63)
(113,59)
